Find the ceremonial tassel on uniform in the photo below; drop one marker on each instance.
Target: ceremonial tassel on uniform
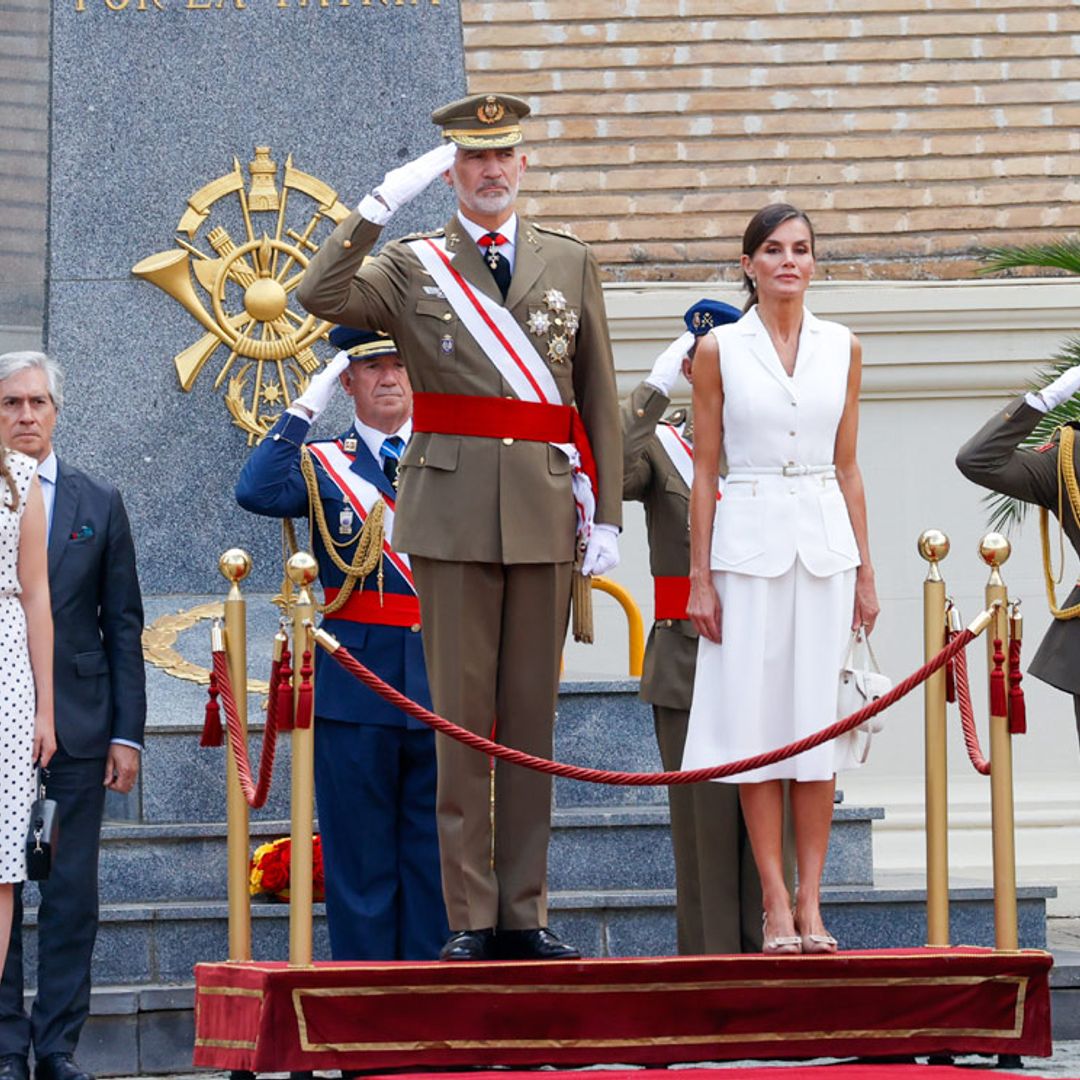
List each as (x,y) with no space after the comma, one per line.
(998,703)
(304,700)
(284,691)
(1017,708)
(212,735)
(581,606)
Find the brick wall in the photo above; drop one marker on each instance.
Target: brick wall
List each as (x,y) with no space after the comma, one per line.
(24,94)
(914,132)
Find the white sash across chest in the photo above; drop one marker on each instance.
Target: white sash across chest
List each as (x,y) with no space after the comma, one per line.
(504,342)
(681,453)
(361,495)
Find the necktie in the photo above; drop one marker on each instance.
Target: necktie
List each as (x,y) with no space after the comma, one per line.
(392,448)
(500,265)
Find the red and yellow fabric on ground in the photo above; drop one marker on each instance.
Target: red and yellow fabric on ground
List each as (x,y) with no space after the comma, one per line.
(268,1017)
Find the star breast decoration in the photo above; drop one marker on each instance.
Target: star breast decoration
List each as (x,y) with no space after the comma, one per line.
(557,322)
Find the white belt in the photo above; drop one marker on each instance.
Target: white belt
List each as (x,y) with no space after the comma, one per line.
(790,469)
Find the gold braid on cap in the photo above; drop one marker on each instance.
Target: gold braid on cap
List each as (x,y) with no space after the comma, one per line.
(369,542)
(1067,485)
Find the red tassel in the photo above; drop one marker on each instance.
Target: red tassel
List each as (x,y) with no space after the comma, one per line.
(998,704)
(212,735)
(950,682)
(1017,708)
(305,699)
(284,692)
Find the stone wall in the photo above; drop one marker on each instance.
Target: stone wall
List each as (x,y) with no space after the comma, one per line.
(915,132)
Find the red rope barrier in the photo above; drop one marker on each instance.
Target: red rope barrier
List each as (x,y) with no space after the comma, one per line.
(967,716)
(607,776)
(255,795)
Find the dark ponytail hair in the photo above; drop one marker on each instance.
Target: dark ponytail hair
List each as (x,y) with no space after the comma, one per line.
(762,225)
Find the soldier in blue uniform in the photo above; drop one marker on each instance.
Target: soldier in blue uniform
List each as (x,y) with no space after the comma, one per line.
(374,766)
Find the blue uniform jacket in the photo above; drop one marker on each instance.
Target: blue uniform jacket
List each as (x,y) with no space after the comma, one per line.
(271,484)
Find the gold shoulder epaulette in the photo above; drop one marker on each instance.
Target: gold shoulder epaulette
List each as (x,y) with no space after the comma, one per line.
(557,232)
(424,234)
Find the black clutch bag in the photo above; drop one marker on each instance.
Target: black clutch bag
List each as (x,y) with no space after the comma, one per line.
(42,834)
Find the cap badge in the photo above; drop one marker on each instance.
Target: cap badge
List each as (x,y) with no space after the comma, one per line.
(491,110)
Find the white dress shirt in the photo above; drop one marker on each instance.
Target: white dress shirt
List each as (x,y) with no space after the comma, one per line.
(508,229)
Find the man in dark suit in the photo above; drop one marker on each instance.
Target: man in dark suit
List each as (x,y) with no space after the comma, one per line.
(993,457)
(100,714)
(374,766)
(502,327)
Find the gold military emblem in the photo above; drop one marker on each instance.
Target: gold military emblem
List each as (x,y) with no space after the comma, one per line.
(491,110)
(240,290)
(558,349)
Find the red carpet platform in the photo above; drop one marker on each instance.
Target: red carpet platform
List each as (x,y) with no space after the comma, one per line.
(268,1017)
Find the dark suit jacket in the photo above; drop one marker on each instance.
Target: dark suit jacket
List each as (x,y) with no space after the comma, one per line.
(993,458)
(100,681)
(469,499)
(271,483)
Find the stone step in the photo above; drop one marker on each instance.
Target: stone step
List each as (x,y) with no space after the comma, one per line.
(591,848)
(158,943)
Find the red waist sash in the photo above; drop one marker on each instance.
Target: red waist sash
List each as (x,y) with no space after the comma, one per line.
(504,418)
(396,609)
(670,597)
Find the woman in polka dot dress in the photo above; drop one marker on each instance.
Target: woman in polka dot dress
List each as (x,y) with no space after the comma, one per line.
(27,734)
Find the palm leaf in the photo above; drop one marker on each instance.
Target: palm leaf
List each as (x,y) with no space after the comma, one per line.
(1006,512)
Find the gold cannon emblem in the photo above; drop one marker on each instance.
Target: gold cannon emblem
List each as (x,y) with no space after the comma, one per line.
(241,293)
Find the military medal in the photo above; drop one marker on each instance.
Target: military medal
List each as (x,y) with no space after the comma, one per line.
(555,300)
(349,445)
(447,344)
(345,520)
(558,349)
(571,320)
(539,322)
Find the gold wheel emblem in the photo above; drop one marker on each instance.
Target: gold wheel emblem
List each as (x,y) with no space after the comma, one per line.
(249,286)
(491,111)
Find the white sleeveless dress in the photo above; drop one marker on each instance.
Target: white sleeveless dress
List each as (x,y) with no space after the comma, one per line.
(783,558)
(16,682)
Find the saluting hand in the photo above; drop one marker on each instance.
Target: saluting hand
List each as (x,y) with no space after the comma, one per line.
(320,389)
(403,184)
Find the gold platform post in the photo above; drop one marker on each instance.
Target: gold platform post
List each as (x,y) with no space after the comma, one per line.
(933,547)
(235,565)
(994,549)
(302,571)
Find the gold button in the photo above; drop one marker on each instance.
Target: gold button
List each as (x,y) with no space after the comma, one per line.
(421,459)
(415,628)
(641,412)
(508,441)
(447,317)
(346,243)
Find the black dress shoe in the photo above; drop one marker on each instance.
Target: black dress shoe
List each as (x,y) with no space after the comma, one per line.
(540,944)
(469,945)
(14,1067)
(59,1067)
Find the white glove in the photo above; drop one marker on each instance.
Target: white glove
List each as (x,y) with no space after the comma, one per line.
(321,388)
(602,553)
(1061,389)
(403,184)
(668,364)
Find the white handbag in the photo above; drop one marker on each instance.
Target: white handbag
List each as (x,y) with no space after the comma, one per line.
(861,682)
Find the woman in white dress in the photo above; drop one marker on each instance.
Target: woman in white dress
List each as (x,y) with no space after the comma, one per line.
(780,567)
(27,735)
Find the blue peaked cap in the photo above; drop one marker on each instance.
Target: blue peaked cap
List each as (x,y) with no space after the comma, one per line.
(362,344)
(706,314)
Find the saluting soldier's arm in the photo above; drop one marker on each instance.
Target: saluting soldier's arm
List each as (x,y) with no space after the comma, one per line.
(993,458)
(641,412)
(270,482)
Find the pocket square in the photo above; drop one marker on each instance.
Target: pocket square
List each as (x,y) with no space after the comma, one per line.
(84,532)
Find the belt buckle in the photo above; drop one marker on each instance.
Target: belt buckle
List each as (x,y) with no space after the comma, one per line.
(792,470)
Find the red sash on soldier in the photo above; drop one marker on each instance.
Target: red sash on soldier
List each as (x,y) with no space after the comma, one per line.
(505,343)
(362,496)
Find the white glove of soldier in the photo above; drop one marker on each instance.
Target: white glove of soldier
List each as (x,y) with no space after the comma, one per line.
(1061,389)
(668,364)
(403,184)
(602,552)
(320,389)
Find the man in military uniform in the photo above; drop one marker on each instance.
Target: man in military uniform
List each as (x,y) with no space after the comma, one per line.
(374,766)
(718,893)
(994,458)
(501,325)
